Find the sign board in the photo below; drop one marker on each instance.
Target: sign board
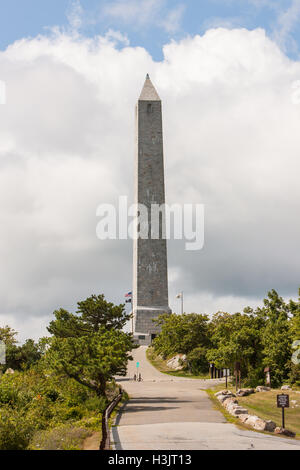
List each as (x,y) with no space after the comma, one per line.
(283,401)
(226,372)
(237,366)
(137,365)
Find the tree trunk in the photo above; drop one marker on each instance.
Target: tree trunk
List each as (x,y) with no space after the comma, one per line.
(101,391)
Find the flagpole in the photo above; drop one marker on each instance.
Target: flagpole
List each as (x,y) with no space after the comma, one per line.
(181,303)
(132,318)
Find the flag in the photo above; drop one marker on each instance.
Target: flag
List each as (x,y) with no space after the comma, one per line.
(129,294)
(179,296)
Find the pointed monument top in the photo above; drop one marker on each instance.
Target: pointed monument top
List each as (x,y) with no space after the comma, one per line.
(148,92)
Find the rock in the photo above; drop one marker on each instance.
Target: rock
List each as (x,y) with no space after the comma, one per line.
(223,398)
(222,392)
(286,387)
(9,371)
(262,388)
(244,392)
(270,426)
(243,417)
(285,432)
(260,424)
(238,410)
(176,362)
(229,401)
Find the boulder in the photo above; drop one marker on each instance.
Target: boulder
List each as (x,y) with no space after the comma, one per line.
(260,424)
(262,388)
(237,410)
(243,417)
(223,398)
(222,392)
(286,387)
(9,371)
(230,401)
(176,362)
(244,392)
(285,432)
(270,426)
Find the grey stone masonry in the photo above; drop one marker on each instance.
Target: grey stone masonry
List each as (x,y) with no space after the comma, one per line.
(150,267)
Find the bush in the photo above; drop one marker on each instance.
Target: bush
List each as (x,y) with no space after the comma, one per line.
(197,362)
(8,393)
(16,430)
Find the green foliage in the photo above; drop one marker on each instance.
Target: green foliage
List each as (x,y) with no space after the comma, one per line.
(94,314)
(197,361)
(236,338)
(254,338)
(90,347)
(22,357)
(181,333)
(91,360)
(7,335)
(61,385)
(16,430)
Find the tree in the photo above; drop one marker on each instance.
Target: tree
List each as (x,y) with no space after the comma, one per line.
(181,333)
(237,338)
(294,308)
(23,357)
(94,312)
(197,360)
(7,335)
(90,346)
(91,360)
(277,337)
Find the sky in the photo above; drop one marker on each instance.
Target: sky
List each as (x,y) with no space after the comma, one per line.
(228,73)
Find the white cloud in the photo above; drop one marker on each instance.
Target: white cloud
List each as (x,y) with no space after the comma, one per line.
(287,20)
(67,144)
(143,13)
(137,11)
(172,22)
(75,15)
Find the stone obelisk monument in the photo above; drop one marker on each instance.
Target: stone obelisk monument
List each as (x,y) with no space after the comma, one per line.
(150,267)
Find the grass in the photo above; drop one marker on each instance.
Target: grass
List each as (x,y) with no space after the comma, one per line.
(161,365)
(263,405)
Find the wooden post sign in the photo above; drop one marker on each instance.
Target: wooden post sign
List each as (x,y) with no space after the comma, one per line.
(283,401)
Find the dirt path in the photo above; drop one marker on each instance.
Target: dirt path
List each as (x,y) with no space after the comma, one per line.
(92,442)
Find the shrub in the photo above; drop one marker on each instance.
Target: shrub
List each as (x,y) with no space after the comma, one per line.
(197,362)
(8,393)
(16,430)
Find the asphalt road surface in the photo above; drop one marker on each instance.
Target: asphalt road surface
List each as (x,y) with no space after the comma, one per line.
(172,413)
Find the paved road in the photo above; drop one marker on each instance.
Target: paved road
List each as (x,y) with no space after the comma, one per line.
(173,413)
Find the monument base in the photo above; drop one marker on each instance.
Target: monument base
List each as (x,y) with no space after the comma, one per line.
(145,330)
